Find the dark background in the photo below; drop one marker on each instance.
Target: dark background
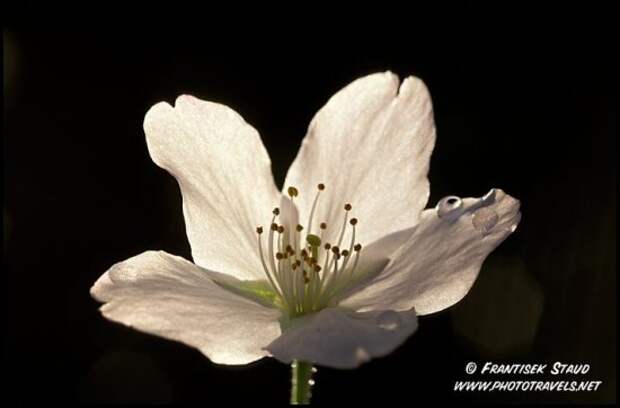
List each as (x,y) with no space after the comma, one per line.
(534,115)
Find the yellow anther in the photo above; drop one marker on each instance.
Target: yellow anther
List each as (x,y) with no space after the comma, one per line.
(293,192)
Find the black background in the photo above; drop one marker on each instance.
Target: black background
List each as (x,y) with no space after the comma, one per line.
(532,114)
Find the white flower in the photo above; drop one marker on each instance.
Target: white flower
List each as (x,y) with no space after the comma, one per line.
(360,178)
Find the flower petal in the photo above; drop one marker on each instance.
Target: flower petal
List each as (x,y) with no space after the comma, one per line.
(225,177)
(341,338)
(370,144)
(166,295)
(442,258)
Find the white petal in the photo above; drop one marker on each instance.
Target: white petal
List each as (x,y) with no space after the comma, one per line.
(225,177)
(442,258)
(340,338)
(370,144)
(165,295)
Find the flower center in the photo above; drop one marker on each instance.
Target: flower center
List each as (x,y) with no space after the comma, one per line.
(305,272)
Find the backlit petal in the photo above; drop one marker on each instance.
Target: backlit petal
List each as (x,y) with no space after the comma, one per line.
(167,296)
(442,258)
(224,173)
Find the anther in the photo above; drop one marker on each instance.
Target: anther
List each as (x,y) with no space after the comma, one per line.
(280,229)
(321,186)
(327,246)
(274,227)
(347,207)
(299,228)
(335,249)
(279,256)
(323,225)
(357,247)
(353,221)
(317,268)
(276,211)
(293,192)
(345,253)
(304,254)
(259,230)
(289,249)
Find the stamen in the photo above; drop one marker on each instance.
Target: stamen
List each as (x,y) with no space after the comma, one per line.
(274,227)
(293,268)
(280,238)
(347,208)
(300,287)
(322,227)
(293,192)
(351,246)
(327,247)
(320,187)
(262,260)
(296,242)
(358,249)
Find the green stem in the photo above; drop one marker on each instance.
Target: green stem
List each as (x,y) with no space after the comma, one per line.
(301,382)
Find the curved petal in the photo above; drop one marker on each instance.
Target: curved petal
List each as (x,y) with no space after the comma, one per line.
(442,258)
(225,177)
(340,338)
(370,145)
(166,295)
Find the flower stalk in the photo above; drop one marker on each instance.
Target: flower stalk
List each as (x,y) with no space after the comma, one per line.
(301,382)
